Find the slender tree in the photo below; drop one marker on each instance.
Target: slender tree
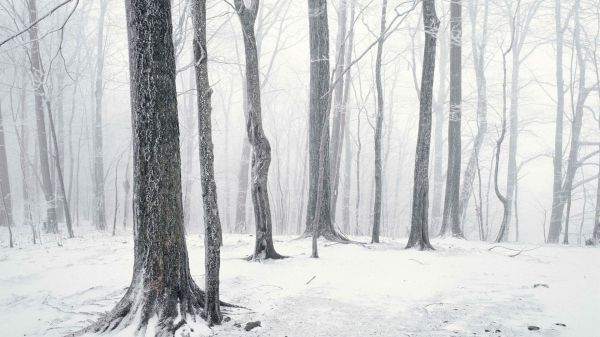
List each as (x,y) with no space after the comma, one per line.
(261,149)
(378,131)
(6,217)
(162,292)
(419,233)
(212,222)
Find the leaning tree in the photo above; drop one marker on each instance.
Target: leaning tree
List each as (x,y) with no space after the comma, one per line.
(261,149)
(162,292)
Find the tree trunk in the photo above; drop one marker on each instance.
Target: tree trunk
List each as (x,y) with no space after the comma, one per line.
(378,131)
(557,202)
(478,50)
(242,192)
(6,217)
(99,209)
(127,188)
(596,232)
(39,91)
(261,149)
(419,234)
(162,292)
(320,99)
(212,222)
(451,217)
(338,105)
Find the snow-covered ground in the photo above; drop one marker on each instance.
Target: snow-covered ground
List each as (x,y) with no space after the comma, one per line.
(461,289)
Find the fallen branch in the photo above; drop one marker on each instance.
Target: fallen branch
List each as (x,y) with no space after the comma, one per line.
(311,279)
(518,251)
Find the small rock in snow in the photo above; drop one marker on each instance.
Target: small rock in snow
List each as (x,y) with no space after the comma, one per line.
(541,285)
(251,325)
(533,328)
(560,324)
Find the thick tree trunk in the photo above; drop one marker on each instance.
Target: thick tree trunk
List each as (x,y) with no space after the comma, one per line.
(378,132)
(451,217)
(557,202)
(511,180)
(99,208)
(320,99)
(261,149)
(42,138)
(6,216)
(478,51)
(212,222)
(419,233)
(162,292)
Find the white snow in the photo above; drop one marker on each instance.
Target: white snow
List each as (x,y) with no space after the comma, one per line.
(461,289)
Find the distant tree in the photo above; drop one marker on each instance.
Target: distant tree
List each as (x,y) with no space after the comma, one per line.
(419,234)
(378,130)
(6,216)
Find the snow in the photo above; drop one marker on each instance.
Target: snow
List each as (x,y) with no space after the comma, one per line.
(461,289)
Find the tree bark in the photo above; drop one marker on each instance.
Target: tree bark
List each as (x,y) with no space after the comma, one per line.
(451,217)
(162,291)
(212,222)
(378,131)
(261,149)
(320,99)
(419,233)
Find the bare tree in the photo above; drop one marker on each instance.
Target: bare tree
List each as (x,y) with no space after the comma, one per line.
(212,222)
(261,149)
(6,218)
(451,217)
(419,234)
(162,292)
(378,131)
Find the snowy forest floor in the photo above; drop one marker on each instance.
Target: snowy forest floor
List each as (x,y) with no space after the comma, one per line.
(461,289)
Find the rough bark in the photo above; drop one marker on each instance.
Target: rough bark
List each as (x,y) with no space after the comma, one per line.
(212,222)
(451,217)
(378,131)
(42,138)
(261,149)
(478,51)
(319,124)
(99,202)
(419,233)
(162,291)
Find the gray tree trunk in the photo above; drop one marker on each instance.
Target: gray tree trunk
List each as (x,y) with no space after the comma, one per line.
(162,291)
(451,217)
(419,233)
(42,138)
(557,202)
(378,131)
(6,216)
(99,208)
(478,51)
(261,149)
(320,98)
(212,222)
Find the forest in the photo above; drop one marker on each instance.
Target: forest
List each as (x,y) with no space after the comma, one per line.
(299,168)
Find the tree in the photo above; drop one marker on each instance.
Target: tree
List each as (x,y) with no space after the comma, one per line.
(319,103)
(478,50)
(162,291)
(261,149)
(212,223)
(99,209)
(451,216)
(6,216)
(378,131)
(419,234)
(38,76)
